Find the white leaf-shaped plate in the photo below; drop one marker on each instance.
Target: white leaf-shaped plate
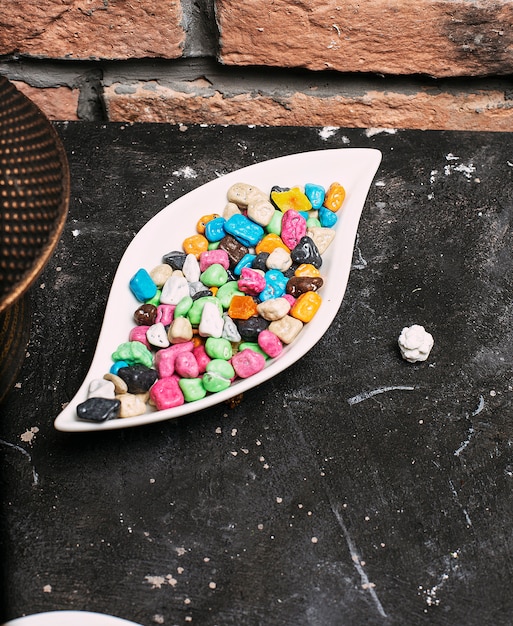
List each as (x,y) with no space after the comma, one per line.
(354,168)
(69,618)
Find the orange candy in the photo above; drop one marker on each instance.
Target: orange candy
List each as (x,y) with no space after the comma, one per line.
(306,306)
(242,308)
(269,243)
(308,270)
(334,197)
(196,244)
(203,221)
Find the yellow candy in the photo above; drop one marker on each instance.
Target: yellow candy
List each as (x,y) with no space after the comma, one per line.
(293,198)
(306,306)
(334,197)
(196,244)
(269,243)
(203,221)
(308,270)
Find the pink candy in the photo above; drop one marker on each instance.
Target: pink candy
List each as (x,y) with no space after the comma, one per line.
(166,393)
(251,281)
(202,358)
(270,343)
(165,359)
(247,362)
(186,365)
(211,257)
(293,228)
(165,313)
(138,333)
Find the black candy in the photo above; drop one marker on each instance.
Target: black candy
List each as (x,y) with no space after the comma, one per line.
(250,329)
(175,259)
(259,261)
(98,409)
(306,252)
(138,378)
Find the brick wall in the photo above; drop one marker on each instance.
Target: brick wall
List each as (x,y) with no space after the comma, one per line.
(439,64)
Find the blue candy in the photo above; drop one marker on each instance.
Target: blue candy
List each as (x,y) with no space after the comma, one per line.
(115,367)
(327,218)
(246,232)
(142,285)
(315,193)
(214,229)
(275,285)
(246,261)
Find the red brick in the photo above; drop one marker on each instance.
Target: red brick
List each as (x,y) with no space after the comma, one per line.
(57,103)
(423,109)
(438,38)
(100,29)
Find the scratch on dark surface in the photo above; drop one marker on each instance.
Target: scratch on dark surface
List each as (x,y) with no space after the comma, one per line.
(374,392)
(366,584)
(457,499)
(35,476)
(471,430)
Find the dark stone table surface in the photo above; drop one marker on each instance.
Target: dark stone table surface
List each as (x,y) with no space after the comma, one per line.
(353,488)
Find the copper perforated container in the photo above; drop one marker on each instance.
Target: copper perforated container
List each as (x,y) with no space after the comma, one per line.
(34,197)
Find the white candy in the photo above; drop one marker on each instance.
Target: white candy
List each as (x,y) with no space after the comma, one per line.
(261,211)
(279,259)
(157,335)
(211,323)
(415,343)
(273,309)
(101,388)
(322,237)
(191,268)
(175,288)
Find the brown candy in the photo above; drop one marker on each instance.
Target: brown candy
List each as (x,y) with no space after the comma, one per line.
(145,315)
(233,248)
(298,285)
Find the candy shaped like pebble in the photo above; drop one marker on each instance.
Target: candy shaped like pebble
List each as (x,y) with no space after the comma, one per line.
(252,282)
(142,285)
(298,285)
(306,252)
(242,308)
(183,307)
(211,257)
(174,289)
(138,378)
(275,285)
(101,388)
(327,218)
(233,248)
(98,409)
(201,356)
(203,221)
(215,382)
(131,405)
(279,259)
(230,331)
(334,197)
(247,363)
(192,389)
(273,309)
(242,194)
(191,268)
(165,359)
(218,348)
(322,237)
(246,261)
(166,394)
(175,259)
(133,352)
(195,244)
(161,273)
(287,199)
(415,343)
(315,193)
(250,329)
(165,314)
(119,384)
(260,211)
(180,331)
(157,335)
(286,329)
(244,230)
(211,324)
(196,310)
(270,343)
(186,365)
(269,243)
(214,276)
(306,306)
(293,228)
(138,333)
(145,315)
(214,230)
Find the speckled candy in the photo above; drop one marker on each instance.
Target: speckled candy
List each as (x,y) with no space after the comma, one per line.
(211,257)
(166,394)
(186,365)
(270,343)
(165,359)
(98,409)
(138,378)
(247,363)
(293,228)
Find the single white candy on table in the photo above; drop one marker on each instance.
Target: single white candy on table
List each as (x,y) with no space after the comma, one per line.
(415,343)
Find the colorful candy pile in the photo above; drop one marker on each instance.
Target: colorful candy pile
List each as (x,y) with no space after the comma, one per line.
(240,290)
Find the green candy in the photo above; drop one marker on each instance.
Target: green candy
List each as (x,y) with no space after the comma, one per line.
(133,352)
(312,222)
(252,345)
(192,389)
(218,348)
(214,276)
(221,367)
(226,292)
(274,225)
(156,298)
(183,307)
(194,313)
(213,245)
(214,382)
